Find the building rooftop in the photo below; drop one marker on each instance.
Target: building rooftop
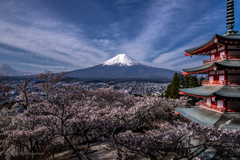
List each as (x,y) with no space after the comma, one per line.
(230,37)
(229,91)
(200,115)
(200,68)
(207,117)
(205,91)
(211,91)
(233,64)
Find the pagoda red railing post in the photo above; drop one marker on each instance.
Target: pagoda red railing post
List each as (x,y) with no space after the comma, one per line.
(216,82)
(212,106)
(218,58)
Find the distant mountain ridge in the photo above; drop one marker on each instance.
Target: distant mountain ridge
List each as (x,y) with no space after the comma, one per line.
(120,67)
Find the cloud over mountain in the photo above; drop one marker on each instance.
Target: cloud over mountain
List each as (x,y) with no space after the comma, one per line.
(7,70)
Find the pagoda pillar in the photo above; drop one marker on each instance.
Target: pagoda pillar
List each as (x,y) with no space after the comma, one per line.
(225,101)
(226,51)
(226,77)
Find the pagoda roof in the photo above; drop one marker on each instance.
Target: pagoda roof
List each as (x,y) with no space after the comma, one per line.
(207,117)
(199,68)
(235,117)
(229,91)
(229,63)
(205,91)
(200,115)
(225,63)
(234,37)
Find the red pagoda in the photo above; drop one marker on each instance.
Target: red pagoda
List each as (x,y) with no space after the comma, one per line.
(221,90)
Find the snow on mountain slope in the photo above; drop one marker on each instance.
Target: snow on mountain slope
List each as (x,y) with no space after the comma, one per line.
(121,60)
(122,67)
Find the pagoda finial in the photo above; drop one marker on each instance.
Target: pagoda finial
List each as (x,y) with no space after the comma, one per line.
(230,14)
(230,18)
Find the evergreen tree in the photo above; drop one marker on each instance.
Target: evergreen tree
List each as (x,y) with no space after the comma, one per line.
(180,81)
(175,85)
(173,89)
(193,81)
(168,91)
(185,82)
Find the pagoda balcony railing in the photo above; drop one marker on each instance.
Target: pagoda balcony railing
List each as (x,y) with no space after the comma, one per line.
(212,107)
(221,58)
(221,82)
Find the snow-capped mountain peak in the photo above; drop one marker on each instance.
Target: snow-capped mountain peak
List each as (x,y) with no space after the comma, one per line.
(121,60)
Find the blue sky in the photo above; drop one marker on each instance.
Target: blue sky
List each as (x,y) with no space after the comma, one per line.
(64,35)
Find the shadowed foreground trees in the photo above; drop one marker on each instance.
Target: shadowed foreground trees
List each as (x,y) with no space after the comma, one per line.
(4,89)
(76,119)
(183,81)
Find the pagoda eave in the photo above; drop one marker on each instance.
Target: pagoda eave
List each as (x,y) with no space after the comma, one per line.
(221,65)
(204,50)
(200,115)
(207,117)
(200,70)
(229,63)
(232,91)
(198,96)
(216,41)
(201,91)
(213,91)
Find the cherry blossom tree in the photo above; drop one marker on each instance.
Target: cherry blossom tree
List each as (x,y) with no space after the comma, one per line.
(24,99)
(78,119)
(51,79)
(4,89)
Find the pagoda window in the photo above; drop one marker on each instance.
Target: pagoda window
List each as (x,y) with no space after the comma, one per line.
(220,103)
(233,106)
(208,101)
(233,54)
(220,72)
(212,72)
(213,51)
(233,46)
(234,79)
(234,71)
(212,57)
(222,54)
(221,78)
(211,78)
(221,48)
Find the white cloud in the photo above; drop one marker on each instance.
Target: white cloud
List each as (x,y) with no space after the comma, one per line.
(42,36)
(7,70)
(166,28)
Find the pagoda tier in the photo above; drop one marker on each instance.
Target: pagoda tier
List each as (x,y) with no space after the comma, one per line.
(220,98)
(221,65)
(216,44)
(231,92)
(202,91)
(206,117)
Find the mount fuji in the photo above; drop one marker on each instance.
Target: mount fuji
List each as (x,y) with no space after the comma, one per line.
(122,67)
